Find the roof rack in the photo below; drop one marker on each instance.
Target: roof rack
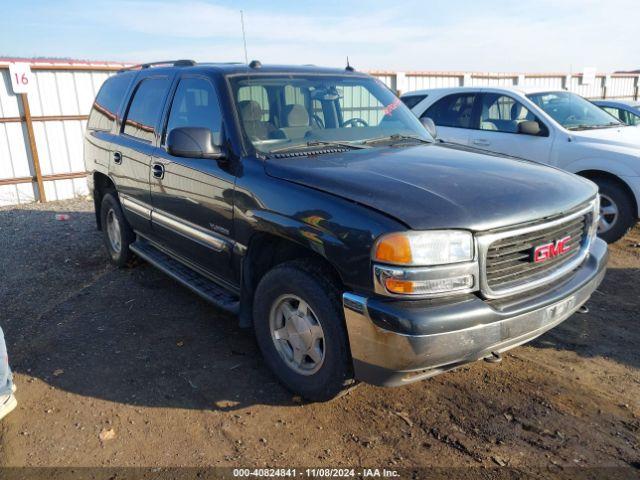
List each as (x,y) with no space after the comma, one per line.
(174,63)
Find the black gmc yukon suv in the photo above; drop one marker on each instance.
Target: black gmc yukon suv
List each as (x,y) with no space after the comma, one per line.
(313,204)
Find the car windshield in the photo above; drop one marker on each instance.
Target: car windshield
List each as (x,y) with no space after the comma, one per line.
(280,113)
(572,111)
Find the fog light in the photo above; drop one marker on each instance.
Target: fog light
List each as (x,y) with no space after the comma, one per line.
(423,287)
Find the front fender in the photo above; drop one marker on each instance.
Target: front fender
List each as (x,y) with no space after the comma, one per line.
(622,167)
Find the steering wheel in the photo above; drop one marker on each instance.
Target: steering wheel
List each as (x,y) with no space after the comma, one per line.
(318,121)
(355,122)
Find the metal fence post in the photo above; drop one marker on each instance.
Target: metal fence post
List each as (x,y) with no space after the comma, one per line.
(32,146)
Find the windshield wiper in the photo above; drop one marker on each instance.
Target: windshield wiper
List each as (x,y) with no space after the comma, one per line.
(396,137)
(317,143)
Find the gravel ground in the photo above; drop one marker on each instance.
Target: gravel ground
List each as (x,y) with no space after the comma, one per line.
(123,368)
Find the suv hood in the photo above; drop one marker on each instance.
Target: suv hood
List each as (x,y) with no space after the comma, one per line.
(628,137)
(439,185)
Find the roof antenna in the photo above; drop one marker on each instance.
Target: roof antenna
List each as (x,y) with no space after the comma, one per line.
(348,68)
(244,38)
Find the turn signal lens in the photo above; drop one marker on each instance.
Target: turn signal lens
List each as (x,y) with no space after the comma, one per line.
(399,286)
(394,248)
(435,247)
(428,287)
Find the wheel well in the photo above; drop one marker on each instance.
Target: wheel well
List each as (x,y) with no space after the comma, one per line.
(101,185)
(265,251)
(599,174)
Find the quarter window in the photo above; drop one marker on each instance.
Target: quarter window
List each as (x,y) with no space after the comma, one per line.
(195,104)
(105,107)
(145,108)
(502,113)
(453,111)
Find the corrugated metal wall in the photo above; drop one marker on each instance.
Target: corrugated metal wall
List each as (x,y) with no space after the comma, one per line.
(59,102)
(62,96)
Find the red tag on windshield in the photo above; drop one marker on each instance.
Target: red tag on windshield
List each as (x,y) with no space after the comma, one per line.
(391,107)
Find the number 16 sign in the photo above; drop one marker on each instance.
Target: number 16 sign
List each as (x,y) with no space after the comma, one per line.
(21,77)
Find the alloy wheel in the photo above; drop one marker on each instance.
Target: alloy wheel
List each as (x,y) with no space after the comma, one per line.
(113,231)
(608,214)
(297,334)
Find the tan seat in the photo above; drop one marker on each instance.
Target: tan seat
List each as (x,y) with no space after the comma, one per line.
(297,119)
(251,115)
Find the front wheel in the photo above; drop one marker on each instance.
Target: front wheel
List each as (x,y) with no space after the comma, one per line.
(617,214)
(299,327)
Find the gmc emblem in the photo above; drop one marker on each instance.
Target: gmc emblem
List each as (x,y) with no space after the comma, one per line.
(547,251)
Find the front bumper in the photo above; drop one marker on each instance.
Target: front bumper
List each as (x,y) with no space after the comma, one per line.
(397,342)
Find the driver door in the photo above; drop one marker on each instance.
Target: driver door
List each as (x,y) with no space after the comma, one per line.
(498,129)
(192,198)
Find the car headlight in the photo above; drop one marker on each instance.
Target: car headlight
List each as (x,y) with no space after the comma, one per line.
(425,264)
(436,247)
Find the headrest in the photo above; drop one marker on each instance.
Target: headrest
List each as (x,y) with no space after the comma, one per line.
(250,110)
(516,110)
(297,116)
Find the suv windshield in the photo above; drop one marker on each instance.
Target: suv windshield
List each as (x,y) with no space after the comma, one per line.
(572,111)
(288,112)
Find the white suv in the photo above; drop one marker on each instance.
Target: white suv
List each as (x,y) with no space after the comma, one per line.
(553,127)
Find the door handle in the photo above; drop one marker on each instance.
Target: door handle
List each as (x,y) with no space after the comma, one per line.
(117,158)
(481,142)
(158,170)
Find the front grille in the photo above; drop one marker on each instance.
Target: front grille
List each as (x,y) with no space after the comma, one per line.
(509,260)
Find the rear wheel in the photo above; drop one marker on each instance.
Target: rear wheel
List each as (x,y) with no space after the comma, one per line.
(117,232)
(616,210)
(299,327)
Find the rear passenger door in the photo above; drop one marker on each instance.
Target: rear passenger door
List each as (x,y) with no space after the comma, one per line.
(454,115)
(134,146)
(498,131)
(193,197)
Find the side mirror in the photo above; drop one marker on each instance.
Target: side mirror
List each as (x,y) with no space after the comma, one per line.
(430,125)
(193,142)
(529,127)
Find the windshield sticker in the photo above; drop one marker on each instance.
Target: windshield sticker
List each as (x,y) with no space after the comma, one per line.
(391,107)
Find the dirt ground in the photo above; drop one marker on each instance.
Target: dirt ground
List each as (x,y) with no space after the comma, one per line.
(127,368)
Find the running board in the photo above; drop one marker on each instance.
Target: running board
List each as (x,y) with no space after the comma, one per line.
(207,289)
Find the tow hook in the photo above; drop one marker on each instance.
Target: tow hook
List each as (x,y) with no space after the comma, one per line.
(495,357)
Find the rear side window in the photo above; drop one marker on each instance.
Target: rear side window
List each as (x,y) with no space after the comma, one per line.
(453,111)
(195,104)
(105,107)
(412,100)
(145,108)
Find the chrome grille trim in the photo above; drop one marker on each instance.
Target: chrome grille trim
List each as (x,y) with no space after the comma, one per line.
(485,240)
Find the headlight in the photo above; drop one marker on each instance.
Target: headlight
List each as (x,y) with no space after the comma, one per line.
(435,247)
(425,264)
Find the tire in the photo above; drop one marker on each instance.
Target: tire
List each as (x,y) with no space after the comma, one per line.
(615,199)
(117,232)
(313,379)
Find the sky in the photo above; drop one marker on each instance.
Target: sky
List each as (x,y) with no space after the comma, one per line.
(402,35)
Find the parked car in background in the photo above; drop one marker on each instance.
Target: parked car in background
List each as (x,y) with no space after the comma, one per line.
(557,128)
(627,111)
(311,202)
